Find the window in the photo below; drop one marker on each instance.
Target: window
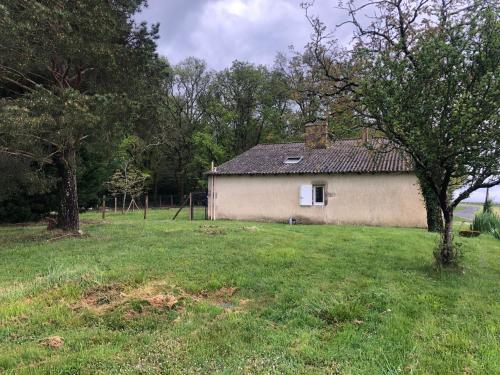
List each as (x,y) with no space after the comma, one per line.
(312,195)
(293,160)
(318,195)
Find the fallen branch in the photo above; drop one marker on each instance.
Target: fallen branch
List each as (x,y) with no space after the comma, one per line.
(66,235)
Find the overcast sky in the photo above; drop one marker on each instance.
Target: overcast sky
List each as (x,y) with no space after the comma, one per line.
(220,31)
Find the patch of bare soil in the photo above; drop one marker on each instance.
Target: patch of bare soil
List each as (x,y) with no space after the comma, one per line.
(226,291)
(153,297)
(212,230)
(102,297)
(161,301)
(54,342)
(244,302)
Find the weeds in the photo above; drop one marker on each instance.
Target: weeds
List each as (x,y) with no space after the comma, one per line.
(487,222)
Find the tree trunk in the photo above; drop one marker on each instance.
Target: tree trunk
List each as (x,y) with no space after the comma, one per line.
(447,254)
(68,216)
(434,213)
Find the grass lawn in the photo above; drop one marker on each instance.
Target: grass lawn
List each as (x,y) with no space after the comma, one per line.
(159,296)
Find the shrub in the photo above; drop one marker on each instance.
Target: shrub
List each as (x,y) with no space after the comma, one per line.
(454,252)
(14,212)
(487,222)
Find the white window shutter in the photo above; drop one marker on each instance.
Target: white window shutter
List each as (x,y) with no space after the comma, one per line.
(306,195)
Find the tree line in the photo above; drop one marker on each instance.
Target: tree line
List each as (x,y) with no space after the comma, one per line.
(88,106)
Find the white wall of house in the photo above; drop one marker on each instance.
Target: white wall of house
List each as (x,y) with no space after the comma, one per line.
(364,199)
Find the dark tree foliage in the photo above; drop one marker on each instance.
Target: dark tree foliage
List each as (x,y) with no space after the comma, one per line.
(71,74)
(25,192)
(210,117)
(253,101)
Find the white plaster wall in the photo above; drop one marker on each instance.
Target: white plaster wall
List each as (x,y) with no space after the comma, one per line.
(366,199)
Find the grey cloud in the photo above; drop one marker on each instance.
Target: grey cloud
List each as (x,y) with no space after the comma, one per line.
(221,31)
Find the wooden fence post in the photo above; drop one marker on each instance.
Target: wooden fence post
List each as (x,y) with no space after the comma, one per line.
(103,207)
(171,200)
(181,207)
(116,204)
(146,202)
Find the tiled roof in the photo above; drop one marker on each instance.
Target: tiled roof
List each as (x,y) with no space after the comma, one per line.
(344,156)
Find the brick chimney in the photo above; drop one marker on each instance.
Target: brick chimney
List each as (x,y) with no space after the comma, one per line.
(365,135)
(317,134)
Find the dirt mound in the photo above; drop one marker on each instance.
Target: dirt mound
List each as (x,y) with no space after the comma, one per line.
(226,291)
(152,297)
(101,297)
(162,301)
(54,342)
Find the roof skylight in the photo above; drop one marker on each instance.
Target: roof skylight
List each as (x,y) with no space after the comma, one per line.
(293,160)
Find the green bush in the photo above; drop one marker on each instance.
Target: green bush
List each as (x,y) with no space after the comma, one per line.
(487,222)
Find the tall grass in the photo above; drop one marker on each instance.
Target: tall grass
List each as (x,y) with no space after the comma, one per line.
(496,233)
(487,222)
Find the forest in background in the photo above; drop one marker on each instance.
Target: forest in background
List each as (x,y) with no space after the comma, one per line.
(162,125)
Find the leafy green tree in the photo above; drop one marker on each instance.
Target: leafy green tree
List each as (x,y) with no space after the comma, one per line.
(186,90)
(51,127)
(128,179)
(429,83)
(251,103)
(132,182)
(316,95)
(72,71)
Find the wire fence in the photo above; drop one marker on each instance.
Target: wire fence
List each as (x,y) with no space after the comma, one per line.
(160,201)
(193,206)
